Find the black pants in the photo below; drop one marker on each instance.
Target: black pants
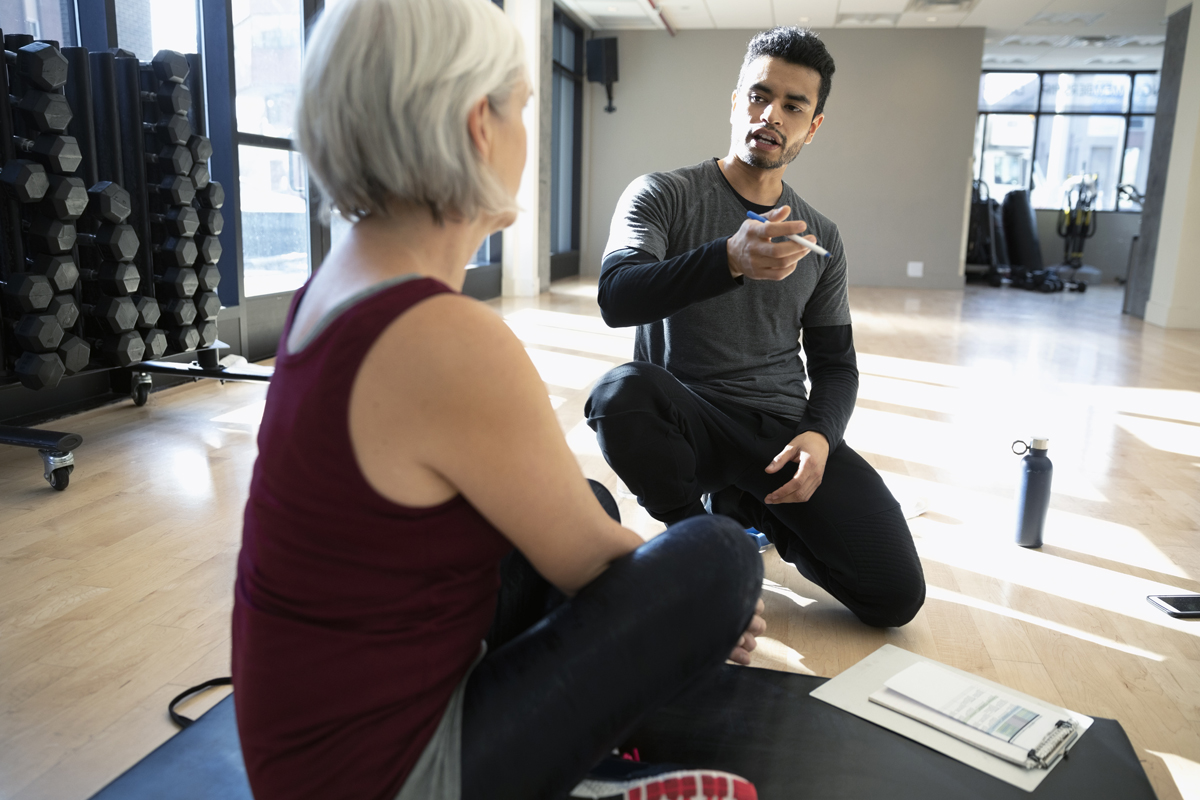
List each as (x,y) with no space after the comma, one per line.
(556,693)
(670,446)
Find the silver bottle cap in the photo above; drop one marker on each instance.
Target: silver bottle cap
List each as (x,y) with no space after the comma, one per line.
(1039,444)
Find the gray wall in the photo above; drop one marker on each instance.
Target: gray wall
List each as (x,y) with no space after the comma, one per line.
(892,160)
(1107,251)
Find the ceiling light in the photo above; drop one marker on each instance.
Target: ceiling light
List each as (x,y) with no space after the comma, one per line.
(931,19)
(1114,61)
(803,19)
(1035,41)
(1073,18)
(941,6)
(1008,60)
(868,20)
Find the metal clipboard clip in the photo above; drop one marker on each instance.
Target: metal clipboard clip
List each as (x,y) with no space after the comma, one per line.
(1054,745)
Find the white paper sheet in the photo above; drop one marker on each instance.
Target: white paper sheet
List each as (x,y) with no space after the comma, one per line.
(850,692)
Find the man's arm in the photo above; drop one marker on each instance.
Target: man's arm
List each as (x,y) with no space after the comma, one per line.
(833,369)
(636,288)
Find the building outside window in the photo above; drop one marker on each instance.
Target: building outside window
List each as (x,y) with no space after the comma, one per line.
(1043,131)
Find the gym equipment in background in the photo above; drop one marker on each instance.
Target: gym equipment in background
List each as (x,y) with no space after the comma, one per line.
(1076,225)
(73,257)
(987,252)
(1026,268)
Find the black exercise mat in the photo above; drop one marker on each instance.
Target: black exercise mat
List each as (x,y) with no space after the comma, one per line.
(757,723)
(763,725)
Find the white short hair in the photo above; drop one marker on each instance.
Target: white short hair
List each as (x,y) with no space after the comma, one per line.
(385,92)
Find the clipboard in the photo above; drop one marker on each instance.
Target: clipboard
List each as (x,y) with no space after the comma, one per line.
(851,691)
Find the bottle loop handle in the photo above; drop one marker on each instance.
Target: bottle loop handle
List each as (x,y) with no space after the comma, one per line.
(1023,444)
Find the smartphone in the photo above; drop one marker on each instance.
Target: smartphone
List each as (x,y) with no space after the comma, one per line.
(1185,606)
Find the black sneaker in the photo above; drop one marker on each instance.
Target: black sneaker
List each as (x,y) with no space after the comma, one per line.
(619,779)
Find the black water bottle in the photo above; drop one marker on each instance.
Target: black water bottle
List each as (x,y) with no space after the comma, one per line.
(1033,498)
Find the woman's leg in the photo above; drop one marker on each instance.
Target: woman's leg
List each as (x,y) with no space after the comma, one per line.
(541,710)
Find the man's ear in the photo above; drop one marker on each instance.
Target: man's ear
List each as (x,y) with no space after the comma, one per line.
(732,104)
(480,122)
(812,129)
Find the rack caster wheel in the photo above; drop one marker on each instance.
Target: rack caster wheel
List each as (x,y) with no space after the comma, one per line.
(58,468)
(141,388)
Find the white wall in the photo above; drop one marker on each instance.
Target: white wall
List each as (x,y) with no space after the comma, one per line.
(892,160)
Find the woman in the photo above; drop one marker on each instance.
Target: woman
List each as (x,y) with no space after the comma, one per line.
(408,445)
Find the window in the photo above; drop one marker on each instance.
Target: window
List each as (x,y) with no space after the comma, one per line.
(146,26)
(566,130)
(41,19)
(268,43)
(1072,124)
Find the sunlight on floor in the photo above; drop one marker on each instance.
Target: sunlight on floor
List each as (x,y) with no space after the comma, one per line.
(250,414)
(567,371)
(190,472)
(938,593)
(1185,772)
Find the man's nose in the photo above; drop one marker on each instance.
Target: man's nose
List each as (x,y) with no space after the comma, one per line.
(768,114)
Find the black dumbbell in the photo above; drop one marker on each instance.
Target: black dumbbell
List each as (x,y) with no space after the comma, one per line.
(182,340)
(51,235)
(60,270)
(200,176)
(39,370)
(176,190)
(177,251)
(148,311)
(210,249)
(180,221)
(48,111)
(115,242)
(179,311)
(208,305)
(109,202)
(168,65)
(37,333)
(208,333)
(200,147)
(212,221)
(121,350)
(75,353)
(120,278)
(171,98)
(113,314)
(211,196)
(67,198)
(25,180)
(60,153)
(65,310)
(178,281)
(27,291)
(174,129)
(208,276)
(156,343)
(41,64)
(174,159)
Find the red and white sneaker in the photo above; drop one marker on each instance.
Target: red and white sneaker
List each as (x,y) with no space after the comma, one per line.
(620,779)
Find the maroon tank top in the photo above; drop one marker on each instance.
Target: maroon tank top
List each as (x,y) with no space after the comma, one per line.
(354,618)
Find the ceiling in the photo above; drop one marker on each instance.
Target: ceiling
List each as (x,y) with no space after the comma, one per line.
(1020,34)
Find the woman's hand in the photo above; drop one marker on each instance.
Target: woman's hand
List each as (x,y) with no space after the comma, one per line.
(746,644)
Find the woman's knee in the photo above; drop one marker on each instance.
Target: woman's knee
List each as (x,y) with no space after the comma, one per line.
(712,567)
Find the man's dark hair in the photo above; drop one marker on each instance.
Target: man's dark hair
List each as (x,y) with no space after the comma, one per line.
(799,46)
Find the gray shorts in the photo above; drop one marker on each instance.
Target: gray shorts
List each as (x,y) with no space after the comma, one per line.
(437,774)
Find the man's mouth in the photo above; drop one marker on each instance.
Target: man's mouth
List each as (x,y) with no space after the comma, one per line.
(765,140)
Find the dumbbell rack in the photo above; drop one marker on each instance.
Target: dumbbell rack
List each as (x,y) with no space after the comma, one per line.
(115,274)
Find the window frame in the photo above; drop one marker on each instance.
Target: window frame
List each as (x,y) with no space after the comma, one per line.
(1038,113)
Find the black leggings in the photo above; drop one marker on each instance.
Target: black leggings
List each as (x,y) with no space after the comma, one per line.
(671,445)
(559,692)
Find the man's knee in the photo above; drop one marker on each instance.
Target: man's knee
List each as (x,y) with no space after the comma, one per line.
(634,387)
(891,589)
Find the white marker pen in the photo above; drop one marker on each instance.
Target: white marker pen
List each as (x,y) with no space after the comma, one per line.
(816,248)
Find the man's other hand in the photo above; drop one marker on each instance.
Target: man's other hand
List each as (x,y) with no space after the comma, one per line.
(810,450)
(752,253)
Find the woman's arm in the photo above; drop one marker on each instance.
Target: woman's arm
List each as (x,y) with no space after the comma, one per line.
(447,402)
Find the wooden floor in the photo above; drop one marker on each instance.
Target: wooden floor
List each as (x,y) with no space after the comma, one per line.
(115,594)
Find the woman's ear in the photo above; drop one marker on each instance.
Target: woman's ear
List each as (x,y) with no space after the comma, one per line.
(480,122)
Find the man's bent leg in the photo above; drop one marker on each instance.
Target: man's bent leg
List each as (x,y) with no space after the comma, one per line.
(850,537)
(664,441)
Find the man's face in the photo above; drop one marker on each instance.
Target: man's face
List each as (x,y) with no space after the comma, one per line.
(772,113)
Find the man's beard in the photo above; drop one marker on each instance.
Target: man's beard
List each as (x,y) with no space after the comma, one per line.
(761,161)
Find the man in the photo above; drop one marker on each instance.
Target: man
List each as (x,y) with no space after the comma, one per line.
(714,402)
